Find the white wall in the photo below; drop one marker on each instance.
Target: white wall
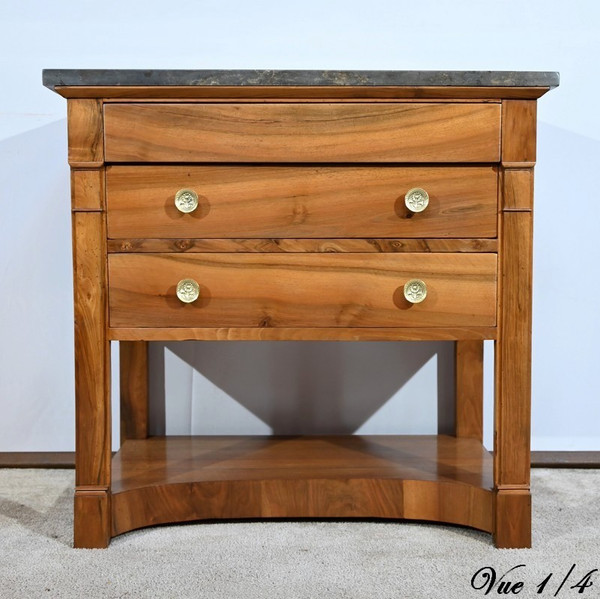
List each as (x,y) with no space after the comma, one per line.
(244,387)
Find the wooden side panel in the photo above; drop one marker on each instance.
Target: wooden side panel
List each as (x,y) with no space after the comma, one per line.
(133,356)
(85,132)
(301,201)
(297,290)
(469,389)
(91,351)
(519,130)
(293,132)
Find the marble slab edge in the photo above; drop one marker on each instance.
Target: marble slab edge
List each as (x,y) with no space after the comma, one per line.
(53,78)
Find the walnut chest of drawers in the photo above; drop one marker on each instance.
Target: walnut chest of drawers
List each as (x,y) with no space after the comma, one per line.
(300,205)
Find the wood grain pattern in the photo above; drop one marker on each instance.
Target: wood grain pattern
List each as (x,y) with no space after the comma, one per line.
(296,290)
(513,353)
(469,389)
(177,479)
(300,201)
(288,247)
(294,245)
(85,135)
(512,408)
(92,515)
(92,390)
(513,519)
(302,334)
(296,132)
(519,130)
(133,356)
(517,189)
(87,189)
(273,93)
(513,384)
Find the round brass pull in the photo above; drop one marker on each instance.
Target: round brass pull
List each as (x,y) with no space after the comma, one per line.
(188,291)
(415,291)
(416,199)
(186,200)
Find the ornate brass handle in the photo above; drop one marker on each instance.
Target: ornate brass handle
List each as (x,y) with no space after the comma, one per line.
(415,291)
(416,199)
(188,290)
(186,200)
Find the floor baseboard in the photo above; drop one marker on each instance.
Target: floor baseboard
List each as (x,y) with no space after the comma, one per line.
(565,459)
(66,459)
(37,459)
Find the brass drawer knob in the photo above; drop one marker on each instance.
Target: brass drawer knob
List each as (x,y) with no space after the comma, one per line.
(416,199)
(415,291)
(188,291)
(186,200)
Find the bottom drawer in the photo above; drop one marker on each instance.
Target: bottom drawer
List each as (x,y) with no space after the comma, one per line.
(301,290)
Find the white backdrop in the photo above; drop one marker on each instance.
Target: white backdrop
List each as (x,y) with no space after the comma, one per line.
(254,388)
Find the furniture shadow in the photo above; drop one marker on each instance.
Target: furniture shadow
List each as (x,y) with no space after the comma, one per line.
(300,388)
(55,523)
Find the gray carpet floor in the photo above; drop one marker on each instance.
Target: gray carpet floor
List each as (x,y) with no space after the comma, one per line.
(293,559)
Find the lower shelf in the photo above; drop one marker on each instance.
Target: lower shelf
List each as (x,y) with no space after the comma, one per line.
(175,479)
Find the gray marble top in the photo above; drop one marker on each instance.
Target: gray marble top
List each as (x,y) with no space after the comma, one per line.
(107,77)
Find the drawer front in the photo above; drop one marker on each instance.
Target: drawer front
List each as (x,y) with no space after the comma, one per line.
(300,201)
(302,290)
(288,132)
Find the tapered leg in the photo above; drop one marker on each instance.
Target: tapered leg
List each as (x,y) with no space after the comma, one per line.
(134,389)
(469,389)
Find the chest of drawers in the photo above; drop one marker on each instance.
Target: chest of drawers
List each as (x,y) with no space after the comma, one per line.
(302,206)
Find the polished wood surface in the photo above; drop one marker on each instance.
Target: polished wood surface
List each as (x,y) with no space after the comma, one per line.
(327,246)
(300,201)
(92,523)
(302,334)
(299,93)
(87,189)
(512,509)
(92,526)
(513,371)
(332,132)
(91,349)
(133,363)
(301,234)
(518,131)
(517,189)
(188,478)
(295,290)
(469,389)
(85,133)
(513,347)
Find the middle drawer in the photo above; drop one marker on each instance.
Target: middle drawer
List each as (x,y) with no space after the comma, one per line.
(300,201)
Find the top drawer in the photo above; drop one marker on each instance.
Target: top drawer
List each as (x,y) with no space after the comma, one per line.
(302,132)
